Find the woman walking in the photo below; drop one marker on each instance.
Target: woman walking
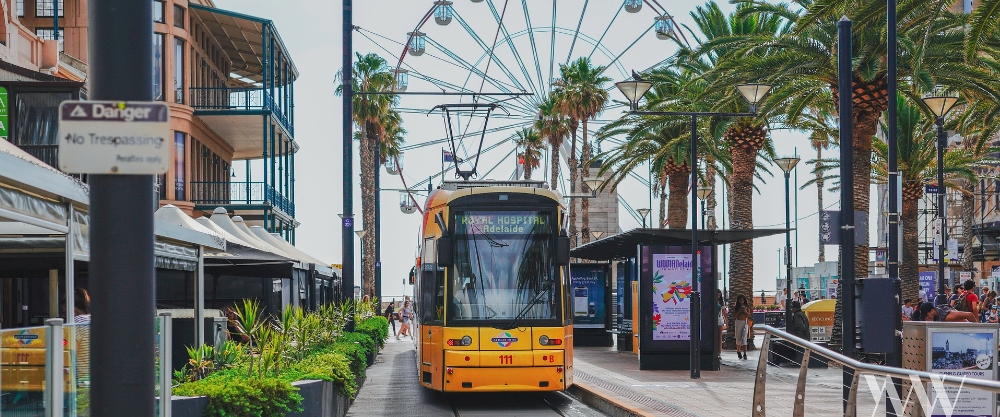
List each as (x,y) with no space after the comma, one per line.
(742,315)
(405,315)
(720,305)
(389,310)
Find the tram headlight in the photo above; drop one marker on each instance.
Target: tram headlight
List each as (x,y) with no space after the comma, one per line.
(466,341)
(543,340)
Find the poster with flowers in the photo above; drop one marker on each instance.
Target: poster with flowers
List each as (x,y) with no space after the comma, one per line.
(671,296)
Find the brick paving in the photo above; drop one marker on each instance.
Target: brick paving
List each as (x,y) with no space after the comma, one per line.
(728,392)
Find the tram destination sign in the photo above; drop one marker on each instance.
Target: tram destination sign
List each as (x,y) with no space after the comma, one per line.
(109,137)
(501,222)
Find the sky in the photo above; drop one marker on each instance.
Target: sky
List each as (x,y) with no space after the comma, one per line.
(311,30)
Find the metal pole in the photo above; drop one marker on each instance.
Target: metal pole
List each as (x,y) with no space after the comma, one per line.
(846,197)
(702,214)
(695,264)
(941,212)
(54,379)
(347,220)
(199,299)
(55,21)
(121,222)
(788,254)
(894,358)
(166,361)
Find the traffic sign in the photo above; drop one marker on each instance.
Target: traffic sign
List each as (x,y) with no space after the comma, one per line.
(108,137)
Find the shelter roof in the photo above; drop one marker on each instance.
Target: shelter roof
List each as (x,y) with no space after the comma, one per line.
(623,245)
(241,37)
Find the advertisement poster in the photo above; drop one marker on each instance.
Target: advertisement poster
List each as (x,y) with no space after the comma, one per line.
(967,354)
(589,288)
(927,285)
(671,287)
(831,288)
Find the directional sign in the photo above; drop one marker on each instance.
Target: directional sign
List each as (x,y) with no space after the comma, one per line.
(107,137)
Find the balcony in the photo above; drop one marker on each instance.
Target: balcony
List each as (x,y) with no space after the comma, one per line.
(233,100)
(248,193)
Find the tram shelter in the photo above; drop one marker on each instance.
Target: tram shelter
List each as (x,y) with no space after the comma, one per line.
(653,281)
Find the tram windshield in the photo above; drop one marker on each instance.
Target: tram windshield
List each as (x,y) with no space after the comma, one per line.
(503,266)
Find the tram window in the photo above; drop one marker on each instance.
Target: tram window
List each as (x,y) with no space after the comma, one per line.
(431,303)
(503,267)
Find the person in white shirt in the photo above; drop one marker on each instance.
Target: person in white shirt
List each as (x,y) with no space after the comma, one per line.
(907,309)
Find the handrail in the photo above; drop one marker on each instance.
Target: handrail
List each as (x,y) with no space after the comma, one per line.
(858,367)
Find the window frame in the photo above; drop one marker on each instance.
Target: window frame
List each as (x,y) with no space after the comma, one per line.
(179,21)
(161,7)
(41,10)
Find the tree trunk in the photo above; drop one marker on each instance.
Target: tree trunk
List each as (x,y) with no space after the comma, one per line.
(368,167)
(554,185)
(663,201)
(573,175)
(740,217)
(710,204)
(908,271)
(819,199)
(585,202)
(968,220)
(677,202)
(527,171)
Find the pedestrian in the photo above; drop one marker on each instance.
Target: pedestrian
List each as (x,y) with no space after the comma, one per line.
(234,328)
(799,326)
(784,297)
(720,305)
(967,299)
(907,309)
(81,306)
(405,315)
(742,314)
(991,315)
(389,309)
(942,312)
(954,295)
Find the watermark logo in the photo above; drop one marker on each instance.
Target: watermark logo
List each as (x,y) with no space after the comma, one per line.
(885,389)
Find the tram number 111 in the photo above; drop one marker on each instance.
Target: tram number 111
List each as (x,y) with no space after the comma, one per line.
(506,359)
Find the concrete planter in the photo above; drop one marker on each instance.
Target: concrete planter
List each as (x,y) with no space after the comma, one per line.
(188,406)
(319,399)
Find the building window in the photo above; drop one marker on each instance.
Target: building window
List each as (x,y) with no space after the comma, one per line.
(47,35)
(179,165)
(158,75)
(158,8)
(20,8)
(178,70)
(178,16)
(43,8)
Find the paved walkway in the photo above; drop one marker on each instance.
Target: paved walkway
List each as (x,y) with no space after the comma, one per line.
(391,387)
(728,392)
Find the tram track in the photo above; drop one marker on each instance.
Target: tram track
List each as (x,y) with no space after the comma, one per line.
(508,404)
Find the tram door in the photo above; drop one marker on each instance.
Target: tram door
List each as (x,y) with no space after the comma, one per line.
(426,303)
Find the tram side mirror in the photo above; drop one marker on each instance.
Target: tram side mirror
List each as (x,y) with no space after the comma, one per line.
(445,255)
(562,251)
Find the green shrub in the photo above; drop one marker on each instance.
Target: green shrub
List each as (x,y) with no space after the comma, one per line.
(328,366)
(365,341)
(376,327)
(231,394)
(353,351)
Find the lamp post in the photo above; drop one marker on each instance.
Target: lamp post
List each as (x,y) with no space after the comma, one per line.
(786,165)
(703,193)
(941,105)
(643,212)
(753,93)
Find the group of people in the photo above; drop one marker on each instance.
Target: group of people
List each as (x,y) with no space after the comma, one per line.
(404,316)
(964,305)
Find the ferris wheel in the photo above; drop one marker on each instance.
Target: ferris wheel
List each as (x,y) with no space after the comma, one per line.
(506,53)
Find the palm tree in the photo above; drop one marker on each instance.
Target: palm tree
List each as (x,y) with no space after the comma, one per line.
(581,97)
(554,127)
(372,115)
(531,145)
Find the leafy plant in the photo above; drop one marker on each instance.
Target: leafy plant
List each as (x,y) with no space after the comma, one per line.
(232,394)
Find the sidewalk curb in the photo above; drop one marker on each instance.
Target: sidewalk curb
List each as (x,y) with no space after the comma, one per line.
(606,401)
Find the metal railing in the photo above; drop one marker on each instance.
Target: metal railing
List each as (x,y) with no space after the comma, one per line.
(807,349)
(240,98)
(48,154)
(243,192)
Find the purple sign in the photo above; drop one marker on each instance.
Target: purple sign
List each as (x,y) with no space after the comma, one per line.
(927,285)
(348,222)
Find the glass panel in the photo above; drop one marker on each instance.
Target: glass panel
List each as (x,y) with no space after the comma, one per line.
(503,266)
(77,363)
(178,70)
(22,371)
(180,165)
(48,35)
(178,16)
(38,118)
(157,11)
(158,328)
(158,66)
(43,8)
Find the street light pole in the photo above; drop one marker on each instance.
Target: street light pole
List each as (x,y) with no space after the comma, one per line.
(786,165)
(347,219)
(753,93)
(121,223)
(940,105)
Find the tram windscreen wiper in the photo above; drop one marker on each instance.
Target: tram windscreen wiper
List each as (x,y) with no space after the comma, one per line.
(534,300)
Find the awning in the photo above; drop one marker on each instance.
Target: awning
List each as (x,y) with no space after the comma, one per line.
(623,245)
(242,261)
(241,37)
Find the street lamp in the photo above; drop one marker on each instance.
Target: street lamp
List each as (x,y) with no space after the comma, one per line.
(940,105)
(643,212)
(634,90)
(597,234)
(786,165)
(703,193)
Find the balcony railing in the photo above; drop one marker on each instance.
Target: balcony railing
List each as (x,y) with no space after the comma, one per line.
(48,154)
(245,99)
(254,192)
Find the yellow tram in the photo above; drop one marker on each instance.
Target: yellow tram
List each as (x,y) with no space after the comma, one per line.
(493,308)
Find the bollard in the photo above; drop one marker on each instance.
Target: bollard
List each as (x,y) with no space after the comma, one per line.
(166,362)
(54,380)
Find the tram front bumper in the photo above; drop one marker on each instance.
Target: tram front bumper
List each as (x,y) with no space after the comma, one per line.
(535,378)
